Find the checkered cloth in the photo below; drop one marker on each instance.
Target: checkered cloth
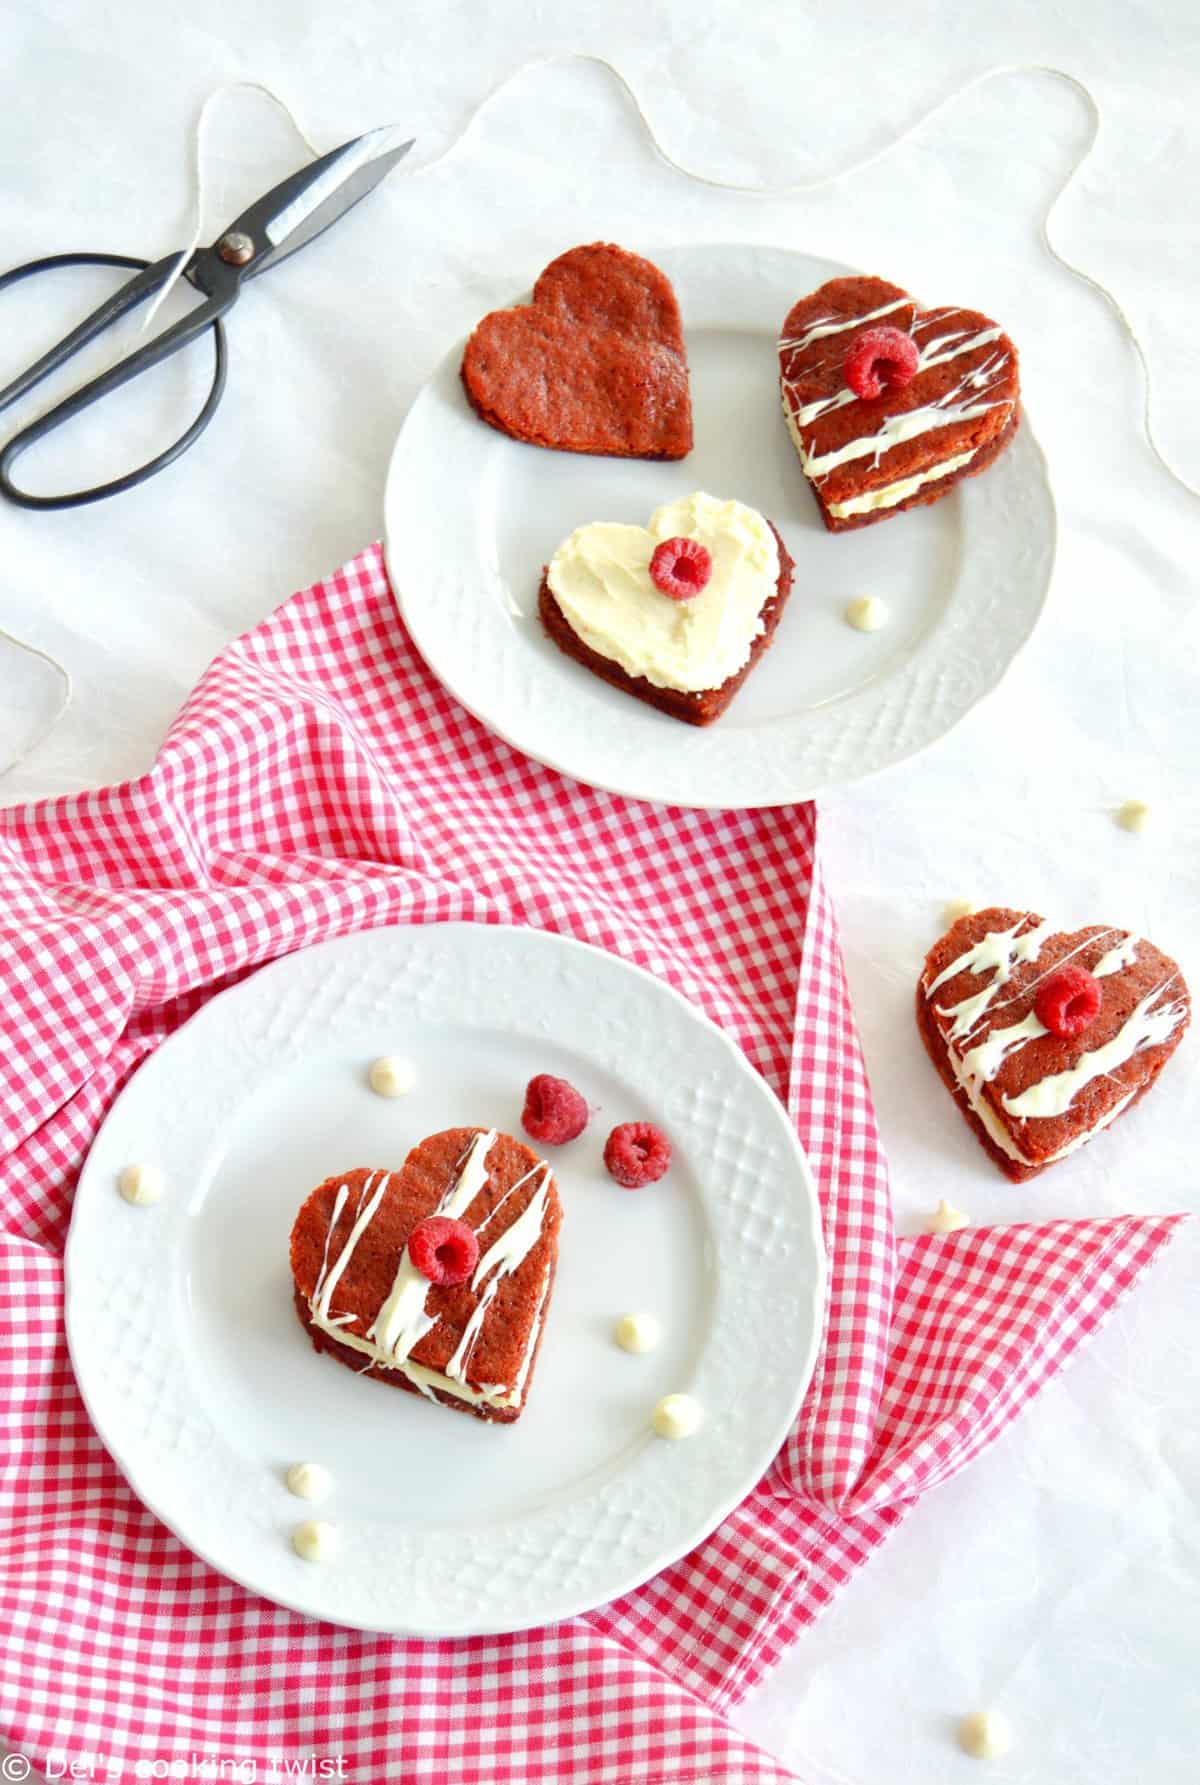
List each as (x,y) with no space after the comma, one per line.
(320,780)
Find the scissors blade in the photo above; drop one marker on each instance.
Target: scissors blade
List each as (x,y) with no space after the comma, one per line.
(301,207)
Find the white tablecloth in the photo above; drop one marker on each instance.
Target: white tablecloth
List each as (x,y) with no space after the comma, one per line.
(1058,1577)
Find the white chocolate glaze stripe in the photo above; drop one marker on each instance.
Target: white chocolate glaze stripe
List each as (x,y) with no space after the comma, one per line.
(829,326)
(984,1062)
(362,1222)
(507,1255)
(1145,1027)
(891,493)
(1123,955)
(402,1321)
(1001,950)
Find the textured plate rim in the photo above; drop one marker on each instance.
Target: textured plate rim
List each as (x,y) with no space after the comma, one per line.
(811,1231)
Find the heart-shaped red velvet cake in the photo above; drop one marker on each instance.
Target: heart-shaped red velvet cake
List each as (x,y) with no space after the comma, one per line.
(595,364)
(945,398)
(1044,1037)
(365,1251)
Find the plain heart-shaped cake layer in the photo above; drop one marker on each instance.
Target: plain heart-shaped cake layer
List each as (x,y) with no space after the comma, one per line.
(596,363)
(1031,1095)
(867,458)
(685,653)
(360,1297)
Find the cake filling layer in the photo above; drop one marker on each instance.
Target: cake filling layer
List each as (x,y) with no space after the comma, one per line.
(600,579)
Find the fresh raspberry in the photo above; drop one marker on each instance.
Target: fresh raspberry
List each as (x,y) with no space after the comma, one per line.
(637,1153)
(680,568)
(443,1250)
(1068,1002)
(879,360)
(554,1110)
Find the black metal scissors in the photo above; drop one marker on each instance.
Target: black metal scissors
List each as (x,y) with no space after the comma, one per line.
(291,215)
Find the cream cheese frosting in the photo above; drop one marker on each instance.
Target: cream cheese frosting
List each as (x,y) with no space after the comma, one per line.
(600,578)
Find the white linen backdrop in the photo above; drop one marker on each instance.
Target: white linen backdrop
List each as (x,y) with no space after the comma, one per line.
(1057,1579)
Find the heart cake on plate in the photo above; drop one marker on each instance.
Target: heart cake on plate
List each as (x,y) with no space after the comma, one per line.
(676,613)
(436,1278)
(890,405)
(1043,1037)
(595,364)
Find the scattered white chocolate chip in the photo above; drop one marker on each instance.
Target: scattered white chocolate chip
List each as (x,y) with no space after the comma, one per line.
(140,1184)
(984,1735)
(867,613)
(677,1416)
(956,908)
(1134,815)
(947,1219)
(315,1541)
(637,1332)
(392,1076)
(309,1481)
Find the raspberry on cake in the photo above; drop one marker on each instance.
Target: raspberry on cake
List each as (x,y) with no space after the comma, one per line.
(439,1274)
(595,364)
(888,404)
(1045,1038)
(686,651)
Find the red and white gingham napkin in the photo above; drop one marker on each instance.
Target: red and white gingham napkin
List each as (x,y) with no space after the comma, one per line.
(320,780)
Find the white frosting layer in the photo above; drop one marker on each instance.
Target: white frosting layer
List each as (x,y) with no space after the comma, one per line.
(600,578)
(892,493)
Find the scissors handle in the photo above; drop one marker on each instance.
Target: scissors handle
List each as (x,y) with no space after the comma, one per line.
(148,278)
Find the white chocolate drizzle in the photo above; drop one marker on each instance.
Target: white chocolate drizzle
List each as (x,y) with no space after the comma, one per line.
(1144,1027)
(402,1320)
(1001,950)
(897,428)
(829,325)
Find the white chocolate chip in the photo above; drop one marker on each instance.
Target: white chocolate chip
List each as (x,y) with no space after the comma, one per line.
(315,1541)
(984,1735)
(140,1184)
(677,1416)
(947,1219)
(956,908)
(1134,815)
(867,613)
(309,1481)
(637,1332)
(392,1076)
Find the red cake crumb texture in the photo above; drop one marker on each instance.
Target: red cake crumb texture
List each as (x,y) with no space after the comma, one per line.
(1032,1090)
(859,447)
(445,1251)
(595,364)
(880,360)
(485,1334)
(637,1153)
(1068,1002)
(680,568)
(555,1112)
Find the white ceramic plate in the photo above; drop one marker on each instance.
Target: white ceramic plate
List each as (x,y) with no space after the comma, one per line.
(472,517)
(204,1387)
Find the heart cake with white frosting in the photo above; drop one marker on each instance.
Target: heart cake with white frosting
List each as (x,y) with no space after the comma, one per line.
(889,405)
(436,1278)
(1046,1037)
(676,613)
